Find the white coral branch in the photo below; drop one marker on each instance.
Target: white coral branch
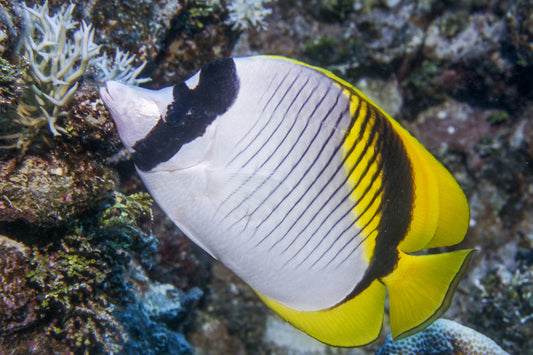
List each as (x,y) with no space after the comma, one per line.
(119,69)
(244,14)
(57,57)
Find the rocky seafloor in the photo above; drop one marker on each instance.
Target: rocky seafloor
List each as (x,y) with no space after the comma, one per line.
(89,264)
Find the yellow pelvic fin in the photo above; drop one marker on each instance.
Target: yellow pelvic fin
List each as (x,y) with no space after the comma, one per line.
(421,288)
(355,322)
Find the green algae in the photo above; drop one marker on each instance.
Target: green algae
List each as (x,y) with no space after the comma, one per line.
(73,278)
(498,117)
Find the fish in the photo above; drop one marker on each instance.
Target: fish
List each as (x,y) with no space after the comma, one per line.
(304,188)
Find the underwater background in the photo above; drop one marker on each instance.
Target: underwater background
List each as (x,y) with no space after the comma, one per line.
(89,264)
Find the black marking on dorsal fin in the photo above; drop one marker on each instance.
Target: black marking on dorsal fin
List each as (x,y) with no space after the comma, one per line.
(189,114)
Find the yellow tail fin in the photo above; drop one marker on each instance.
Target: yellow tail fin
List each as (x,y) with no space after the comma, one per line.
(421,288)
(355,322)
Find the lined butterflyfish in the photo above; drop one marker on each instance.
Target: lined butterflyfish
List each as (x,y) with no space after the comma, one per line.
(305,189)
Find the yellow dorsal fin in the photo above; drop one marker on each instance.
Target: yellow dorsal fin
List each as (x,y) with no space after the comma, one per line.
(421,288)
(355,322)
(454,213)
(435,187)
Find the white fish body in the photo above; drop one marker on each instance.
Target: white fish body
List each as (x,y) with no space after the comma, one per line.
(287,180)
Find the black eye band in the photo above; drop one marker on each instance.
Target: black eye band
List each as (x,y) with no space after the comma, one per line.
(189,114)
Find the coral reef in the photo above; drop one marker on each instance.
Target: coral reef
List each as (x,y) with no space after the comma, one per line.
(197,35)
(456,73)
(72,239)
(57,62)
(57,51)
(442,337)
(11,84)
(17,299)
(155,322)
(11,29)
(49,191)
(119,69)
(504,308)
(244,14)
(73,292)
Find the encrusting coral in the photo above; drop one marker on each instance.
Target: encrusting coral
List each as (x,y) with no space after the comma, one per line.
(17,300)
(51,191)
(443,337)
(68,294)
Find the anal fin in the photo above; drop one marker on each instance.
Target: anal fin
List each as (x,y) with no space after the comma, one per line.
(355,322)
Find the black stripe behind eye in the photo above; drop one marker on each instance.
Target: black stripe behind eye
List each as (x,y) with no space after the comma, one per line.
(189,114)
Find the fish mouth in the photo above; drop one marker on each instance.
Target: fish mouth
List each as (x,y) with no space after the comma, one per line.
(112,93)
(106,92)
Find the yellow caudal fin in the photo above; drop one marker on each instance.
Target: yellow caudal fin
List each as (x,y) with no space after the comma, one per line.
(421,288)
(355,322)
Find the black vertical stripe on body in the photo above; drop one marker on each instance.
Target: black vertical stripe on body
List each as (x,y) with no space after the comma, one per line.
(396,205)
(189,114)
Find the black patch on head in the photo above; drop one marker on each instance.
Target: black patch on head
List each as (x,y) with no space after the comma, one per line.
(189,114)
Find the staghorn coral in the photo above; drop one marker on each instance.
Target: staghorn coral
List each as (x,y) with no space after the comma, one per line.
(119,68)
(56,53)
(57,62)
